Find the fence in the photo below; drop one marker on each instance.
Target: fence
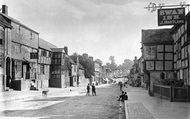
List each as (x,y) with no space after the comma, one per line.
(172,93)
(163,91)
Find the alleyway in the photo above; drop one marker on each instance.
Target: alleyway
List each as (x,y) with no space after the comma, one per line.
(102,106)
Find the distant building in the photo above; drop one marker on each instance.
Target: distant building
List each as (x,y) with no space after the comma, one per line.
(97,71)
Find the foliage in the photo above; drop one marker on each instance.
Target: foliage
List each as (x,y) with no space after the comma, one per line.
(86,62)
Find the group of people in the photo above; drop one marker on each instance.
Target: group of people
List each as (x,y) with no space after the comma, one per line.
(123,96)
(93,90)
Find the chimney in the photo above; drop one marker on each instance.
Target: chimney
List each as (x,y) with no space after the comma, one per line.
(66,50)
(5,9)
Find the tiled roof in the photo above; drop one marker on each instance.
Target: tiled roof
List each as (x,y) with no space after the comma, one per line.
(46,45)
(17,22)
(5,22)
(156,36)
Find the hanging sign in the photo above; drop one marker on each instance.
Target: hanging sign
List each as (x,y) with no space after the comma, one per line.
(171,16)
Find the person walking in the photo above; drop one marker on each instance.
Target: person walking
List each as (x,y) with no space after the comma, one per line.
(93,90)
(88,90)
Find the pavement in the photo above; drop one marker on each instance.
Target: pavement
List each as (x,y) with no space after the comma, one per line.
(22,95)
(142,106)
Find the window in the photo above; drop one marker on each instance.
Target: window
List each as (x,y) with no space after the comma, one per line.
(1,41)
(42,69)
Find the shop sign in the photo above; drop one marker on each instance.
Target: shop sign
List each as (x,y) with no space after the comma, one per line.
(171,16)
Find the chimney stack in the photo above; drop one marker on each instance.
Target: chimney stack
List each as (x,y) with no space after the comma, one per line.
(66,50)
(5,9)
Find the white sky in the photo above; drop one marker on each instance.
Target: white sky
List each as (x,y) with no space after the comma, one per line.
(101,28)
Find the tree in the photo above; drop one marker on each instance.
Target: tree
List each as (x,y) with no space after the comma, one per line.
(126,65)
(86,62)
(112,65)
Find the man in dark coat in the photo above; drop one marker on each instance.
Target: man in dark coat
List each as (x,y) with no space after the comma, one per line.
(88,90)
(93,90)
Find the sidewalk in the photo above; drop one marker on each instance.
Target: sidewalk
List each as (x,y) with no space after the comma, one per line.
(142,106)
(23,95)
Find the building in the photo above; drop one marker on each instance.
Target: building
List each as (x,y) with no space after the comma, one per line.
(59,76)
(21,70)
(97,71)
(157,53)
(5,26)
(44,62)
(181,35)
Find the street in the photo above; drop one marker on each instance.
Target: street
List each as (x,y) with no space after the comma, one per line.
(102,106)
(62,104)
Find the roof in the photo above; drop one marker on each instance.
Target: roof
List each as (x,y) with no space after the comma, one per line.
(46,45)
(58,50)
(17,22)
(5,22)
(156,36)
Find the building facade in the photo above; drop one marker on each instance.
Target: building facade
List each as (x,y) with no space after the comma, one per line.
(20,69)
(5,26)
(157,53)
(181,35)
(59,73)
(97,72)
(44,62)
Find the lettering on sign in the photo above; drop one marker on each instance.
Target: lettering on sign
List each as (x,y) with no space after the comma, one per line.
(171,16)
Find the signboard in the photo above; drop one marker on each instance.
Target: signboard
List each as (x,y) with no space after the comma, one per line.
(171,16)
(33,55)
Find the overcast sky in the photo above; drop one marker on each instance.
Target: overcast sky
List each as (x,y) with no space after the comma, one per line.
(101,28)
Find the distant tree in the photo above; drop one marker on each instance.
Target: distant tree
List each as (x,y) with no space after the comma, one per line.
(112,65)
(126,65)
(86,62)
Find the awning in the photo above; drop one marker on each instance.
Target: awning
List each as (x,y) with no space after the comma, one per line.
(5,22)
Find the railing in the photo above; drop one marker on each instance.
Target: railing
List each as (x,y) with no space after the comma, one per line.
(163,91)
(181,94)
(172,93)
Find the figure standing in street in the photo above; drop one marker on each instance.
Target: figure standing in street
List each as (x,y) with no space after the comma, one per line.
(93,90)
(88,90)
(122,96)
(126,96)
(121,85)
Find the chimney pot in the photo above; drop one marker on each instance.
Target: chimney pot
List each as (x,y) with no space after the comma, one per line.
(5,9)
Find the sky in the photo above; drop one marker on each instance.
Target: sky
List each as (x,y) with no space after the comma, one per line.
(100,28)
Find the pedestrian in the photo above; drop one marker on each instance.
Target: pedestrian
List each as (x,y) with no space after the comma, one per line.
(126,96)
(121,85)
(122,97)
(88,90)
(93,90)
